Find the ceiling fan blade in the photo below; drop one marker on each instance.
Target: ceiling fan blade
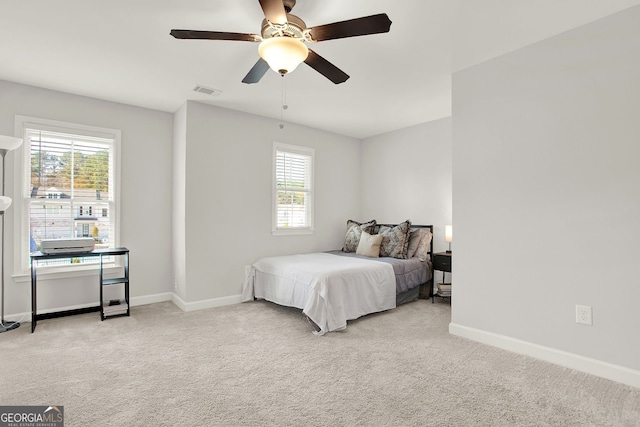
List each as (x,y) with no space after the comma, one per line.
(274,11)
(214,35)
(326,68)
(373,24)
(255,74)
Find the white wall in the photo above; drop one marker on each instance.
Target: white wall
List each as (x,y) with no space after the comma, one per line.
(228,196)
(145,199)
(406,174)
(179,193)
(546,142)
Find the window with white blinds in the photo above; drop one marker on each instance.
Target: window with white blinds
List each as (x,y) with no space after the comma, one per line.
(70,190)
(292,189)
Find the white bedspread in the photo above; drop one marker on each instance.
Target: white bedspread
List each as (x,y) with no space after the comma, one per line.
(329,289)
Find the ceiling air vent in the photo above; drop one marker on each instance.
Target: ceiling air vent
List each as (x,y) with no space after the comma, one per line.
(207,90)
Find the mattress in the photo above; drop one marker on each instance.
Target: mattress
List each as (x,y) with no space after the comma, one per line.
(410,273)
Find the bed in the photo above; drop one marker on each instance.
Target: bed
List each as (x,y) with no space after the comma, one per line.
(336,286)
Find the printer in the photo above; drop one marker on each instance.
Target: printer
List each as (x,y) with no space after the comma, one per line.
(64,246)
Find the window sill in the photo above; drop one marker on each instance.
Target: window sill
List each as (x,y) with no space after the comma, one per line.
(53,273)
(292,232)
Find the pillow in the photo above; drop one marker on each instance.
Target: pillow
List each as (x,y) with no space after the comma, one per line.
(415,234)
(419,243)
(354,229)
(369,245)
(395,240)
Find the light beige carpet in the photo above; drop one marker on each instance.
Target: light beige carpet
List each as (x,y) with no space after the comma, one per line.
(257,364)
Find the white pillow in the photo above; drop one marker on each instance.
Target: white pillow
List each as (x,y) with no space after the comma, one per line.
(369,245)
(419,243)
(422,251)
(415,235)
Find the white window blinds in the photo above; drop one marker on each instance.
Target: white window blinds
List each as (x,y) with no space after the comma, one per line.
(293,190)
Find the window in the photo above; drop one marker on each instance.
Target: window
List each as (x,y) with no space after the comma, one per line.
(292,189)
(69,171)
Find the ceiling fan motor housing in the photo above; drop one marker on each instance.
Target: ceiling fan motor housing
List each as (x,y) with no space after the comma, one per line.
(294,27)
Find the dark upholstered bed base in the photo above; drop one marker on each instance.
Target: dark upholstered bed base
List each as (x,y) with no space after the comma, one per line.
(422,291)
(407,296)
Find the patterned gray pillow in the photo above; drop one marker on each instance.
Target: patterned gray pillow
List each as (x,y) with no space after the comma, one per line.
(354,229)
(395,240)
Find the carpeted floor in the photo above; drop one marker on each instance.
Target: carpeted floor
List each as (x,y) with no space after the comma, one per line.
(258,364)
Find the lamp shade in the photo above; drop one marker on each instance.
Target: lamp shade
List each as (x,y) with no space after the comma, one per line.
(8,143)
(448,233)
(283,54)
(5,202)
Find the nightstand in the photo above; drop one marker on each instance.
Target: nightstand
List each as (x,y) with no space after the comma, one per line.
(441,262)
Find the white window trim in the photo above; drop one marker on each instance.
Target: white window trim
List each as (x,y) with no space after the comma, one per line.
(275,230)
(21,271)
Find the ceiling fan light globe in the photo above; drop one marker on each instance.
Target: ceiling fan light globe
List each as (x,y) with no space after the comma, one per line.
(283,54)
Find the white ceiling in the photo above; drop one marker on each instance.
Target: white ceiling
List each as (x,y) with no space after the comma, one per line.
(121,50)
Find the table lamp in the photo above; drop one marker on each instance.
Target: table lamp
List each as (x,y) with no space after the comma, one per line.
(448,236)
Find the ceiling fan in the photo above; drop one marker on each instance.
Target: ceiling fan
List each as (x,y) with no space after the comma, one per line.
(283,37)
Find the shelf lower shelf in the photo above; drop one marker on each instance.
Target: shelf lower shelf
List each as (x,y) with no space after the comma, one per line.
(113,316)
(114,281)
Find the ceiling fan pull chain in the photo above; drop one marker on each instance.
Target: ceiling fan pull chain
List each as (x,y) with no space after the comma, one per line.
(283,101)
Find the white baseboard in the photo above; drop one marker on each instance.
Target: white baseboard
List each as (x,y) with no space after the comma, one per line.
(134,301)
(606,370)
(208,303)
(142,300)
(151,299)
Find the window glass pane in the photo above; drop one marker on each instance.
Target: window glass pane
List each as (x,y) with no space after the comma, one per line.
(292,209)
(64,166)
(292,171)
(50,219)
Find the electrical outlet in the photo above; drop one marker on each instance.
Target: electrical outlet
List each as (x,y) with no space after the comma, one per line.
(584,315)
